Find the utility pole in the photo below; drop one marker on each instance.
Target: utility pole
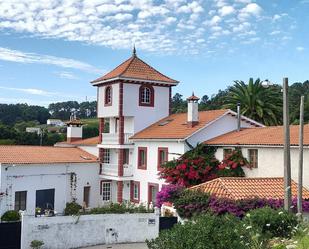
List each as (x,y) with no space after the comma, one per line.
(287,155)
(301,158)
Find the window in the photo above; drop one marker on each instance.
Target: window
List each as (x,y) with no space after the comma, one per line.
(20,200)
(253,157)
(126,156)
(135,191)
(108,95)
(146,96)
(106,191)
(106,155)
(162,156)
(142,158)
(226,152)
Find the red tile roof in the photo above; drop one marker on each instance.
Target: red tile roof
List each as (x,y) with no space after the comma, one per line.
(175,126)
(272,135)
(246,188)
(20,154)
(87,141)
(136,69)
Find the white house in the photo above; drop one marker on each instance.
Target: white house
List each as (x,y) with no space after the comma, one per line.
(55,122)
(47,177)
(263,147)
(134,99)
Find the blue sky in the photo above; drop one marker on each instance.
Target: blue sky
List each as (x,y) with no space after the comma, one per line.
(51,50)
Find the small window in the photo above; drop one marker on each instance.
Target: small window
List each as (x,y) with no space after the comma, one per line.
(135,192)
(106,155)
(162,156)
(253,157)
(146,96)
(126,156)
(106,191)
(142,158)
(226,152)
(108,95)
(20,200)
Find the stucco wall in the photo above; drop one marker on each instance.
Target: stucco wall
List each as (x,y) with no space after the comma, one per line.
(108,111)
(49,176)
(64,232)
(270,162)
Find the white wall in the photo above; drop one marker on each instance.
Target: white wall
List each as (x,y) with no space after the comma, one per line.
(94,150)
(87,230)
(143,115)
(151,174)
(108,111)
(270,162)
(49,176)
(76,132)
(221,126)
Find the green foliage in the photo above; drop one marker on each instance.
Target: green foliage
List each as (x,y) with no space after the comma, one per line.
(90,131)
(271,223)
(10,215)
(256,102)
(116,208)
(191,203)
(72,208)
(36,244)
(204,232)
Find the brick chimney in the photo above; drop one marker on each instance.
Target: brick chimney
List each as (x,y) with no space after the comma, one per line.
(192,119)
(74,129)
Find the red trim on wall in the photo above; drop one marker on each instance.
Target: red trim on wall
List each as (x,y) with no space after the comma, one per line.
(101,129)
(151,185)
(151,104)
(139,166)
(132,183)
(105,95)
(170,101)
(119,191)
(159,163)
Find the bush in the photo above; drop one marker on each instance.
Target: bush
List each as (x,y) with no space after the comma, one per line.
(191,203)
(36,244)
(116,208)
(204,232)
(168,193)
(72,208)
(271,223)
(10,215)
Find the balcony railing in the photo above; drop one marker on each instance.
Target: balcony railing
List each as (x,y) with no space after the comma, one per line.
(112,170)
(113,138)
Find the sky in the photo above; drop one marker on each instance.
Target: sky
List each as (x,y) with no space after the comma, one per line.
(50,50)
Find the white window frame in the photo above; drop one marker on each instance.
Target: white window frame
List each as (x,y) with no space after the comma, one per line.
(106,156)
(146,95)
(106,191)
(256,160)
(135,191)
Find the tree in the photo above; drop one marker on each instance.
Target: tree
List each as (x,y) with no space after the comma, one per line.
(256,102)
(178,104)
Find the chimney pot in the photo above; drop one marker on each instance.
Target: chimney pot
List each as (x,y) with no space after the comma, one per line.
(192,116)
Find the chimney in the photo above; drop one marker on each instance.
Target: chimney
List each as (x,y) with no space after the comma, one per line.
(238,117)
(74,129)
(192,110)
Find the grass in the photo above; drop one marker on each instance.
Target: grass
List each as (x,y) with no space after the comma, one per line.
(91,122)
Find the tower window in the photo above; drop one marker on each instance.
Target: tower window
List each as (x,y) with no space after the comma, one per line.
(108,95)
(146,95)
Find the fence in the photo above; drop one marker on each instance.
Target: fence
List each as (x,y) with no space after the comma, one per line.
(64,232)
(10,235)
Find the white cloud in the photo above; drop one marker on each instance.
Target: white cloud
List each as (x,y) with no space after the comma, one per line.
(66,75)
(32,91)
(300,49)
(7,54)
(251,9)
(226,10)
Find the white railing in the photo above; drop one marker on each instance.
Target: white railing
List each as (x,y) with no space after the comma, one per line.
(113,138)
(112,170)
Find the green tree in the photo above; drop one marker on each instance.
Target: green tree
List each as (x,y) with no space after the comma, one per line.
(257,102)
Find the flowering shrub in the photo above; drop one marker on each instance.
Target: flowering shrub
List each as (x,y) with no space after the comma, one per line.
(200,165)
(168,193)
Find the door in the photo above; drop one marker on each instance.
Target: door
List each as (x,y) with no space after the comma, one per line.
(45,199)
(86,196)
(153,189)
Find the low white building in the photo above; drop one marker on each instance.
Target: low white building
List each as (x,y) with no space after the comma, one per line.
(263,147)
(47,177)
(55,122)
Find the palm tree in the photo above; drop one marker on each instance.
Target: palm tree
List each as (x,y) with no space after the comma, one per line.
(256,102)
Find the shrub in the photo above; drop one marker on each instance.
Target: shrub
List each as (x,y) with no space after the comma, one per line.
(116,208)
(271,223)
(190,203)
(72,208)
(36,244)
(168,193)
(10,215)
(204,232)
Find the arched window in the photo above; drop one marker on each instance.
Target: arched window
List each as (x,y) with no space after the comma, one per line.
(108,95)
(146,96)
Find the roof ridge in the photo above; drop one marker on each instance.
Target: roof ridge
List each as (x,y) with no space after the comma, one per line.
(132,58)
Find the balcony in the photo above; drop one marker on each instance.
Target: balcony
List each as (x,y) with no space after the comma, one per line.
(113,139)
(110,171)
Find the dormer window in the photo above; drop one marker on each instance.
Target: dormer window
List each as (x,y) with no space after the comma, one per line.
(146,95)
(108,96)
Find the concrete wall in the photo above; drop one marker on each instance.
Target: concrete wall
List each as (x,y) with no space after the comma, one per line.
(49,176)
(270,162)
(64,232)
